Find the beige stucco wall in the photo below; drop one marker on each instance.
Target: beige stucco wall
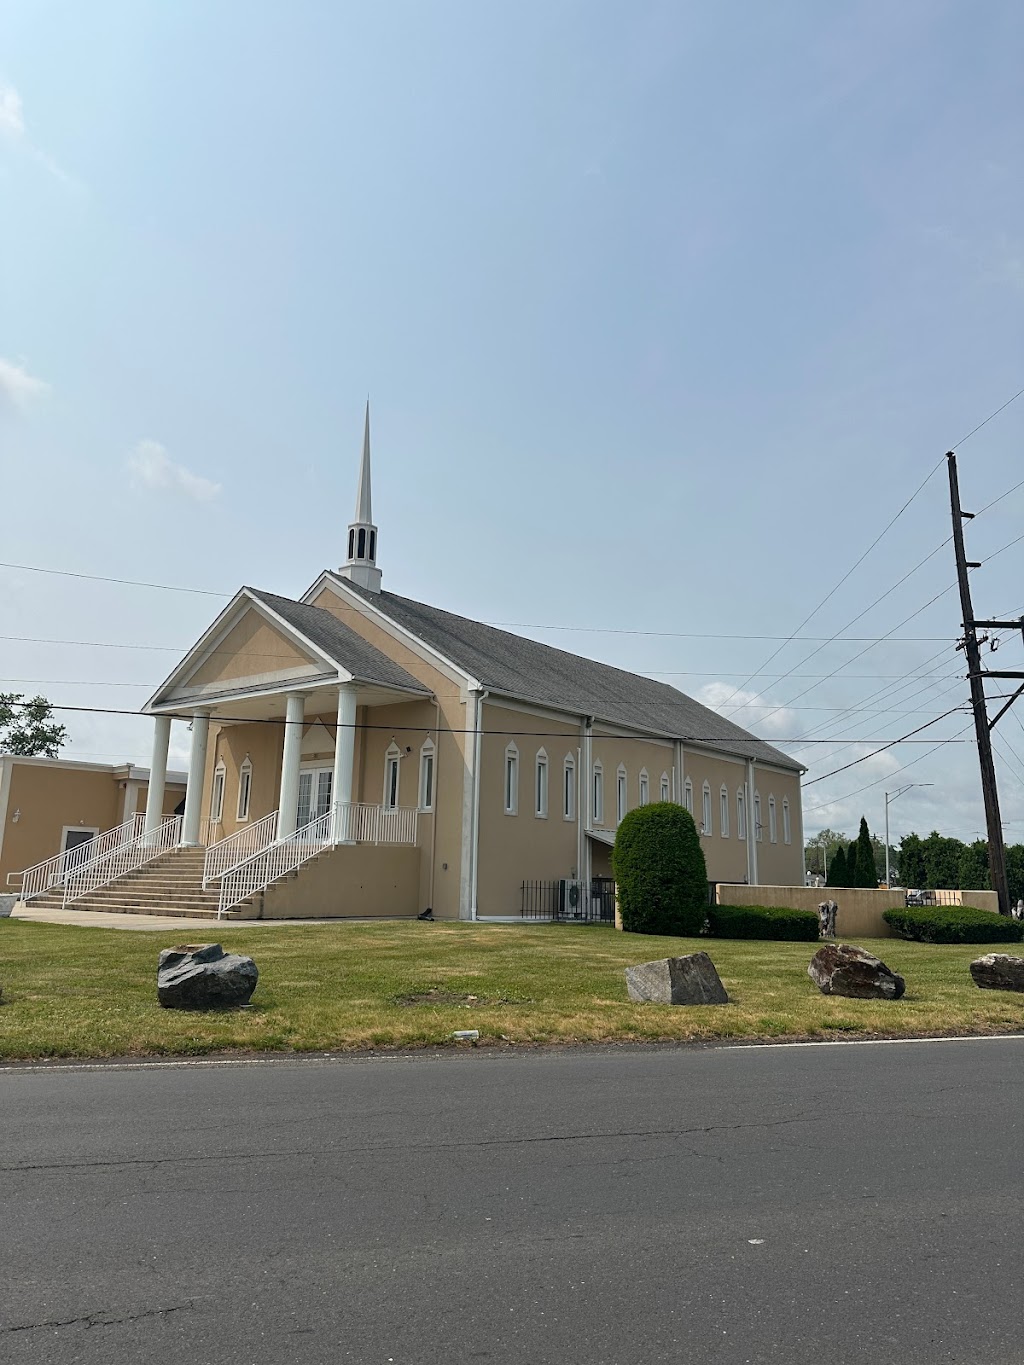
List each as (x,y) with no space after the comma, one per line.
(860,910)
(251,649)
(350,881)
(611,750)
(726,856)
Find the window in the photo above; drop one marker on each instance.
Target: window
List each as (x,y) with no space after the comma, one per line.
(706,809)
(540,785)
(666,787)
(392,777)
(787,831)
(427,775)
(620,793)
(569,788)
(598,794)
(645,787)
(511,780)
(373,544)
(217,794)
(244,788)
(351,544)
(688,796)
(741,815)
(758,832)
(362,543)
(773,827)
(723,813)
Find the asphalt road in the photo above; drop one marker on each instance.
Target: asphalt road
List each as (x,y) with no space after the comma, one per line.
(840,1204)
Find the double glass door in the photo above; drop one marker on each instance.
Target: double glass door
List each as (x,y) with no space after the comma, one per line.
(314,795)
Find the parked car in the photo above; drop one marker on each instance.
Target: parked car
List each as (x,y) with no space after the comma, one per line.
(920,897)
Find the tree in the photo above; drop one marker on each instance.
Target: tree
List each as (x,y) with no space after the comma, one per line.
(851,864)
(1015,871)
(660,876)
(837,874)
(26,728)
(973,869)
(865,874)
(942,861)
(912,868)
(820,850)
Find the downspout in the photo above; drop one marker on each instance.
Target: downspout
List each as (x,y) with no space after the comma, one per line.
(433,814)
(579,812)
(677,772)
(587,813)
(751,827)
(481,697)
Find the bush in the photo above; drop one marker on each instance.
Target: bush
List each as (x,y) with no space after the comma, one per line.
(660,876)
(953,924)
(763,921)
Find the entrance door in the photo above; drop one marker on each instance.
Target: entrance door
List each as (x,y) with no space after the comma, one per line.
(314,795)
(76,846)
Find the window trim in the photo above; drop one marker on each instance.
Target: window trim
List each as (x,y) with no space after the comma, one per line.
(706,813)
(723,811)
(597,793)
(645,787)
(428,756)
(392,758)
(621,792)
(244,788)
(217,792)
(569,788)
(773,820)
(741,814)
(540,785)
(510,776)
(666,787)
(758,831)
(787,823)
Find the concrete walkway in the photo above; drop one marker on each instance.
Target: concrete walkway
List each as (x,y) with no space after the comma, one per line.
(192,928)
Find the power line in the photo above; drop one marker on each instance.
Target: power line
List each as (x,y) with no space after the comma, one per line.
(888,776)
(902,740)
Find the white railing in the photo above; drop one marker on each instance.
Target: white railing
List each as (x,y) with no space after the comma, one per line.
(256,873)
(55,871)
(209,831)
(238,847)
(350,822)
(143,848)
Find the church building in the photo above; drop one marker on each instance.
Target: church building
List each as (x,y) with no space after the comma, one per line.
(358,753)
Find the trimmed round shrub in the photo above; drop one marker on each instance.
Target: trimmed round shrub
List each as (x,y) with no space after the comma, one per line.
(660,876)
(953,924)
(763,921)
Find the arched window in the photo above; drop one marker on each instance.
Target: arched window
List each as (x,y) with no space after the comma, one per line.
(598,814)
(741,814)
(217,793)
(392,776)
(723,818)
(621,796)
(427,755)
(511,780)
(569,788)
(787,831)
(645,787)
(773,827)
(688,795)
(540,786)
(758,831)
(244,789)
(706,809)
(666,787)
(351,544)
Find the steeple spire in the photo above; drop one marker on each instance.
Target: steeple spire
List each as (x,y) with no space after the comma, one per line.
(361,566)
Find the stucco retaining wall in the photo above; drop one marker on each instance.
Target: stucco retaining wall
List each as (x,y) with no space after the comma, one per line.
(352,881)
(860,911)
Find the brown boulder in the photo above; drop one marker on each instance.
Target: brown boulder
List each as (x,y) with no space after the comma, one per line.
(998,972)
(842,969)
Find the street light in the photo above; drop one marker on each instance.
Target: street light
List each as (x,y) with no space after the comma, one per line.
(889,799)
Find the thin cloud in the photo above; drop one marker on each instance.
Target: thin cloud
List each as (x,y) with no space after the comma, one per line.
(18,388)
(12,122)
(151,467)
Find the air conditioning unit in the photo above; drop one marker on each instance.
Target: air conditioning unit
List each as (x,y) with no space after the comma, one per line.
(570,899)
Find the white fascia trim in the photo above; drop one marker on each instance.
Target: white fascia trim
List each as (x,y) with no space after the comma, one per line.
(109,768)
(226,622)
(377,614)
(776,768)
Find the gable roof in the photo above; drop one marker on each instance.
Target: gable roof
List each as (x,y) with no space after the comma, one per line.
(340,643)
(526,670)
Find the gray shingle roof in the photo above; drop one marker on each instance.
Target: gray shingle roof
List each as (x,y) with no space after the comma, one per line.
(525,669)
(339,642)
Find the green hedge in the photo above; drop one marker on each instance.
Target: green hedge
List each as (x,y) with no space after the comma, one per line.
(953,924)
(763,921)
(660,878)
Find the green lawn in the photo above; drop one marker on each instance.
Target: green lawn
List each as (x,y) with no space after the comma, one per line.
(83,992)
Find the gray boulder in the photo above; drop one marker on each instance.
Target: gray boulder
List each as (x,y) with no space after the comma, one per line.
(842,969)
(201,976)
(998,972)
(7,904)
(690,980)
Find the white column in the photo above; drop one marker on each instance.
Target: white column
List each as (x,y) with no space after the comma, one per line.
(678,774)
(344,764)
(196,773)
(294,716)
(157,773)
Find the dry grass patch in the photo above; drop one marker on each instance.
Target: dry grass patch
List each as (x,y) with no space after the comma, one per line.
(82,992)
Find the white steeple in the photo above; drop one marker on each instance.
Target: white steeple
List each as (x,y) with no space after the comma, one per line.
(361,565)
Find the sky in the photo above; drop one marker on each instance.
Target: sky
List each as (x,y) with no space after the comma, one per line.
(665,310)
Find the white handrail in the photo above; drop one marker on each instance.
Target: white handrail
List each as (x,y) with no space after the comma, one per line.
(256,873)
(143,848)
(238,847)
(54,871)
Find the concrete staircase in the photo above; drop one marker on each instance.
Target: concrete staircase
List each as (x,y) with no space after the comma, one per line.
(171,884)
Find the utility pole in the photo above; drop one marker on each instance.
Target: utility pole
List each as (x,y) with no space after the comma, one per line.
(996,851)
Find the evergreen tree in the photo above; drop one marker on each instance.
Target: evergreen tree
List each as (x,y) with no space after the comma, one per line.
(851,865)
(837,868)
(942,862)
(866,875)
(973,871)
(912,869)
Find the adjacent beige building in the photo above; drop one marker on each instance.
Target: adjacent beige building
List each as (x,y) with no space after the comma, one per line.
(356,752)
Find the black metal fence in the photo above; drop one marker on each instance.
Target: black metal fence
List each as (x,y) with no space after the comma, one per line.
(569,901)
